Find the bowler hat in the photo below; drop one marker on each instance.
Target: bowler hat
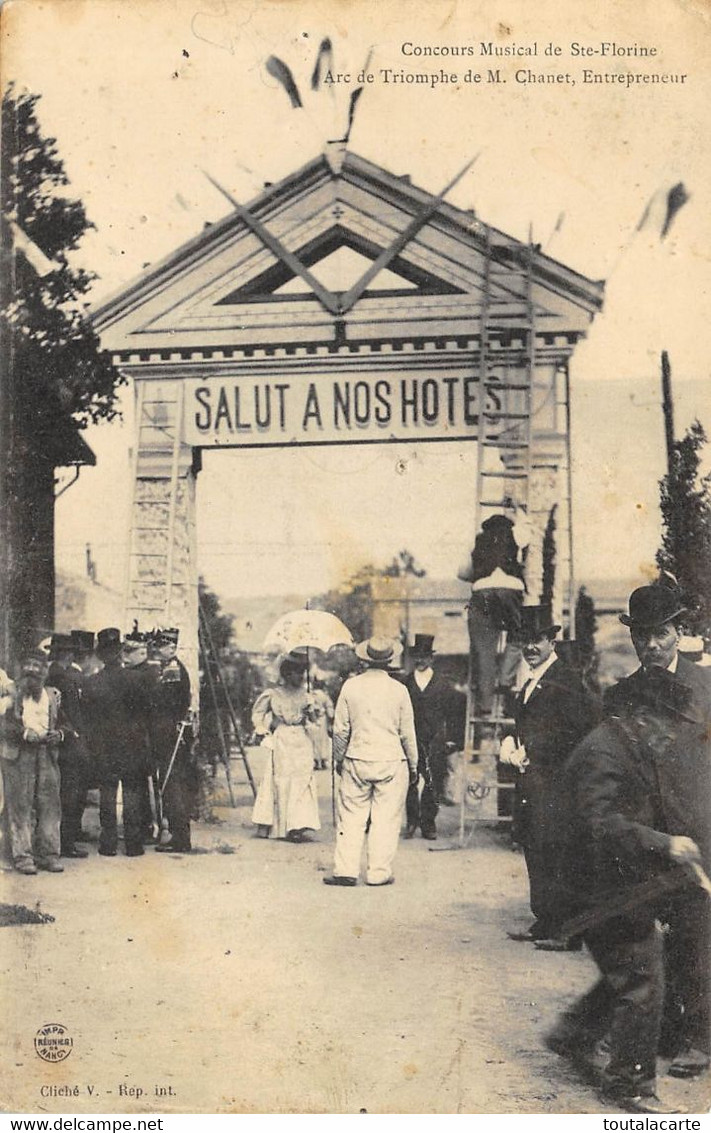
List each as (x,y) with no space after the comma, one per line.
(376,650)
(536,621)
(423,645)
(653,605)
(108,641)
(83,641)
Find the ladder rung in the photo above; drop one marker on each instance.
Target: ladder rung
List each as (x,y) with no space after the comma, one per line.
(491,442)
(505,474)
(504,416)
(493,503)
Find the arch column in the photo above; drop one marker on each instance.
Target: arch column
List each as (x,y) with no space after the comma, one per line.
(161,586)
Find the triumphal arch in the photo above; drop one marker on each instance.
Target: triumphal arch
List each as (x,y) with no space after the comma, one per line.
(438,328)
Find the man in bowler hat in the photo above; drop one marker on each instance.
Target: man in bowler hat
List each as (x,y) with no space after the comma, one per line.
(636,832)
(655,622)
(552,714)
(432,701)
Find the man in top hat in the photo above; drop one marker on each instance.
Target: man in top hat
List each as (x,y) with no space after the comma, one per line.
(117,707)
(433,705)
(73,757)
(655,623)
(170,708)
(32,733)
(552,714)
(375,755)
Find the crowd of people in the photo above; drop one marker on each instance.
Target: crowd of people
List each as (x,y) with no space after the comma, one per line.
(102,714)
(612,796)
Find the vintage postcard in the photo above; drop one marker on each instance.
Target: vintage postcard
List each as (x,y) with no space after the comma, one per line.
(363,275)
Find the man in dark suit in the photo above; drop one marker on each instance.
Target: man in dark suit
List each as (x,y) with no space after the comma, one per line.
(433,704)
(117,708)
(636,839)
(73,758)
(552,714)
(654,620)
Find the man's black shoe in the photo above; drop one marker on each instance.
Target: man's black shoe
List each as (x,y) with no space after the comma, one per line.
(430,835)
(639,1103)
(73,852)
(410,832)
(689,1064)
(107,853)
(335,880)
(172,848)
(557,944)
(533,932)
(136,852)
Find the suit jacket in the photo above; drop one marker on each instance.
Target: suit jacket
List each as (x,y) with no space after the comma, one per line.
(685,772)
(433,708)
(117,706)
(550,725)
(629,799)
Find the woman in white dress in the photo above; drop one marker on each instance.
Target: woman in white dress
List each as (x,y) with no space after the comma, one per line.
(287,802)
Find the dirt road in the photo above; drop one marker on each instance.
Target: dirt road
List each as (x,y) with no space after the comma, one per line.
(234,980)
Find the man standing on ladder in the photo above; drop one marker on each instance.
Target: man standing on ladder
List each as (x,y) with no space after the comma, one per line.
(496,574)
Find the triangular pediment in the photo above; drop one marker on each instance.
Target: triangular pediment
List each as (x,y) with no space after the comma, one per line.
(287,268)
(338,258)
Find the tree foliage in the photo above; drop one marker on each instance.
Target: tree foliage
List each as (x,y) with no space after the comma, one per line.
(685,500)
(57,361)
(220,626)
(549,557)
(352,601)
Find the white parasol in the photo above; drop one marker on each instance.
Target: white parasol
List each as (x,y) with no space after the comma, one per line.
(306,629)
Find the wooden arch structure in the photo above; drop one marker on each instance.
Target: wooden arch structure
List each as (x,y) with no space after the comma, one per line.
(445,312)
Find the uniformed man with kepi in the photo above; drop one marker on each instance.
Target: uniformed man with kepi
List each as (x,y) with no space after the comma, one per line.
(172,738)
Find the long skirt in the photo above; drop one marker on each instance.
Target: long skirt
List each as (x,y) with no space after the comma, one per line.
(287,798)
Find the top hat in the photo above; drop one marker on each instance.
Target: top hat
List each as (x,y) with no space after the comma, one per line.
(423,645)
(653,605)
(108,641)
(82,641)
(376,650)
(536,621)
(61,643)
(161,637)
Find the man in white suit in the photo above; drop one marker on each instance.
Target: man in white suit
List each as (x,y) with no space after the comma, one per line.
(375,755)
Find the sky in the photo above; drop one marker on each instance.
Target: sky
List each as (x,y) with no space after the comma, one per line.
(143,97)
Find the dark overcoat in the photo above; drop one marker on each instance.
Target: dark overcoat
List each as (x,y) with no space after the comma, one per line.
(550,725)
(117,706)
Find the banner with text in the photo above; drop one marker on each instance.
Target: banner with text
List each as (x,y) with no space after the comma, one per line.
(245,412)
